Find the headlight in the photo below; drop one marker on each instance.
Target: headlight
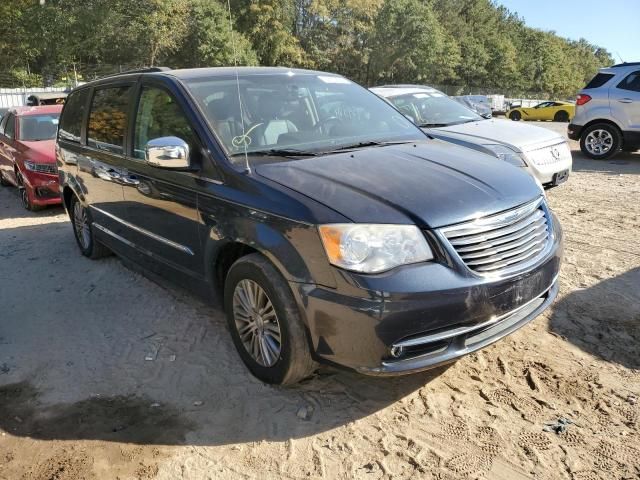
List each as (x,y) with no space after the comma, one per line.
(30,165)
(373,248)
(508,155)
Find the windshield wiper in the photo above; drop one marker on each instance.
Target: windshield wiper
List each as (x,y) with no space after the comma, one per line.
(372,143)
(279,152)
(433,125)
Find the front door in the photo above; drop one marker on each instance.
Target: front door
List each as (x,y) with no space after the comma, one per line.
(7,147)
(161,204)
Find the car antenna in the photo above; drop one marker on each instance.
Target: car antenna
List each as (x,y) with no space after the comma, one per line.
(621,60)
(244,140)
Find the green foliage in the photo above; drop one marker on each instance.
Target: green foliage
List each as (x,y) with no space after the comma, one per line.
(471,43)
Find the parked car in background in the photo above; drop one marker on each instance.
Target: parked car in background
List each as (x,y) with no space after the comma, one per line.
(541,152)
(607,116)
(53,98)
(478,103)
(556,111)
(333,228)
(27,154)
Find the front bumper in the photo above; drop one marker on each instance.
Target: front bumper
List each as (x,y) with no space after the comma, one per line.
(43,189)
(436,312)
(574,131)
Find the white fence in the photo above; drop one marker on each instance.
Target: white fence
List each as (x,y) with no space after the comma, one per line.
(16,97)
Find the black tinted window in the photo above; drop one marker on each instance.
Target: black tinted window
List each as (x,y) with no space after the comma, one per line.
(632,82)
(10,127)
(160,116)
(108,118)
(599,80)
(72,116)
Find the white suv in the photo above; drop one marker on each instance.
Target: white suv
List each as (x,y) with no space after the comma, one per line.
(541,152)
(607,117)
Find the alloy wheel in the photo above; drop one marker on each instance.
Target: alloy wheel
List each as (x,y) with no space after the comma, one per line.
(81,225)
(257,323)
(599,142)
(24,196)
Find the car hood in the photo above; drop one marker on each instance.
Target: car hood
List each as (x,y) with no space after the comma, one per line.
(519,136)
(43,151)
(430,184)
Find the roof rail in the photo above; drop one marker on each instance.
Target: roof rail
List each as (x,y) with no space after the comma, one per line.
(139,70)
(625,64)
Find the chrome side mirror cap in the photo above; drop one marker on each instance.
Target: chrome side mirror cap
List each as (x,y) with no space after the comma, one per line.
(167,152)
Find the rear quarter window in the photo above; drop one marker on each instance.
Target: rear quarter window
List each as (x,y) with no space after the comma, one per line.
(70,128)
(599,80)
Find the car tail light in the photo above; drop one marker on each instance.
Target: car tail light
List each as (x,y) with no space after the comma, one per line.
(582,99)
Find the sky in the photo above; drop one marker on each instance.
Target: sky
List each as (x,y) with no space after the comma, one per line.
(612,24)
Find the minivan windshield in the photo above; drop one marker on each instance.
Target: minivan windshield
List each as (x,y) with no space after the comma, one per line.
(293,114)
(434,109)
(34,128)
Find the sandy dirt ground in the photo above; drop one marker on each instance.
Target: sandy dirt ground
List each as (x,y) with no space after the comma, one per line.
(105,374)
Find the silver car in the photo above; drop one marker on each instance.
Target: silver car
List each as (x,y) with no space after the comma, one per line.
(543,153)
(607,117)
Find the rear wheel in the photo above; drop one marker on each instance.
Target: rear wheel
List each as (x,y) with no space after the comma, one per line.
(600,141)
(515,116)
(265,323)
(561,116)
(82,229)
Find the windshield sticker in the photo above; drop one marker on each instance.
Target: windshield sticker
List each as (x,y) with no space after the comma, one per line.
(327,79)
(421,95)
(54,121)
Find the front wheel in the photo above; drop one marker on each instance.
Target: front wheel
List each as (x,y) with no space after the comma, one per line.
(27,200)
(600,141)
(82,229)
(515,116)
(265,323)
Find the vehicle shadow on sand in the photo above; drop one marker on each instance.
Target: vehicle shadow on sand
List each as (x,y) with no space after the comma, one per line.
(93,350)
(603,315)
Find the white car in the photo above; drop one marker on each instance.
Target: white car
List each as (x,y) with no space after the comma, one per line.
(543,153)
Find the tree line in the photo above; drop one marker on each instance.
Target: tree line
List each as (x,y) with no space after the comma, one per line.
(438,42)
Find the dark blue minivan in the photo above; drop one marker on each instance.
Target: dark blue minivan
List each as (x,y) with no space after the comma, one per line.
(331,227)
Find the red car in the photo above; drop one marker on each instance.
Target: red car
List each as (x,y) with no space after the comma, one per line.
(27,154)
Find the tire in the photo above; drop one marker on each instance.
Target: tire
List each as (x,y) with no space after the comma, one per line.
(600,141)
(89,246)
(561,116)
(515,116)
(290,363)
(26,200)
(3,181)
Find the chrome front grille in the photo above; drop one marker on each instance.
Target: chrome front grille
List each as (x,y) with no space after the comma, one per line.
(549,155)
(51,169)
(504,242)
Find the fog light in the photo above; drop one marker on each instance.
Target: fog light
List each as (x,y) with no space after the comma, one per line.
(396,351)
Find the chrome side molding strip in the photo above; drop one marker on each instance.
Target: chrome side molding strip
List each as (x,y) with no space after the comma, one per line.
(141,230)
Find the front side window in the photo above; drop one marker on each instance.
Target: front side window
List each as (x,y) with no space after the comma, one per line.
(73,116)
(36,128)
(160,116)
(631,82)
(434,109)
(313,113)
(10,126)
(108,118)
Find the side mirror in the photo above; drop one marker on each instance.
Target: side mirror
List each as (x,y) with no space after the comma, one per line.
(167,152)
(486,115)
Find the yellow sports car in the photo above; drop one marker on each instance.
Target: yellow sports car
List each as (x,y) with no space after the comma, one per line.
(556,111)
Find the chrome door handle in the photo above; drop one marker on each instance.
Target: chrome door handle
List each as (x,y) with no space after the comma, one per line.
(626,100)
